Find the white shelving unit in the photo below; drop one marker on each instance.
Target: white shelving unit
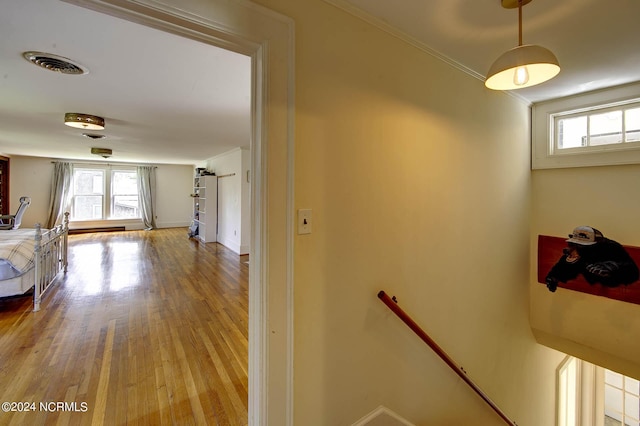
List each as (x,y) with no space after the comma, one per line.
(205,207)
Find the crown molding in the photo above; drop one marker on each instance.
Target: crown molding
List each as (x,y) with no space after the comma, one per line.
(377,22)
(407,38)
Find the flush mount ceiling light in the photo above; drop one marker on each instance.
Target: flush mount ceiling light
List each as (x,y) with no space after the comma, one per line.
(102,152)
(84,121)
(524,65)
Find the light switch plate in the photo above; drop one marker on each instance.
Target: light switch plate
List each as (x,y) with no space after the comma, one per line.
(304,221)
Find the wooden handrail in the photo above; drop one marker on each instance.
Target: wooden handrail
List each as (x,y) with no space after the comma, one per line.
(393,305)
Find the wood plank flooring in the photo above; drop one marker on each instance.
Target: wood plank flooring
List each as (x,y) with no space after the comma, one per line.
(146,328)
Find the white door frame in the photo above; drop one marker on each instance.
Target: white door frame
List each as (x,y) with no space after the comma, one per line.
(267,37)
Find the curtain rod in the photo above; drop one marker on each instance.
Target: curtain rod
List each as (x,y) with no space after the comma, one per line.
(227,175)
(102,164)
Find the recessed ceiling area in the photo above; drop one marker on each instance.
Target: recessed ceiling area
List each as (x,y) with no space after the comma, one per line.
(164,98)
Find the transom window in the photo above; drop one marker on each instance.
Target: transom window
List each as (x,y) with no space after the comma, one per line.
(101,193)
(598,128)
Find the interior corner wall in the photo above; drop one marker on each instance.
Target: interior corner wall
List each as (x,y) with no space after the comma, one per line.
(31,176)
(174,185)
(419,182)
(234,209)
(600,330)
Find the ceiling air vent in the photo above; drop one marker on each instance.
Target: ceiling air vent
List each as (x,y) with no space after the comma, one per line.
(55,63)
(93,136)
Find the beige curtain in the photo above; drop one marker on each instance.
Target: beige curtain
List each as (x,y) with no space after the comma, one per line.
(60,192)
(147,192)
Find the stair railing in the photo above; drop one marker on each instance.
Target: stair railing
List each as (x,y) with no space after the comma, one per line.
(393,305)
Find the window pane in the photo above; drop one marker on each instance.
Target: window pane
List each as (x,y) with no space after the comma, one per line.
(88,182)
(612,378)
(125,206)
(86,207)
(572,132)
(124,200)
(632,124)
(608,421)
(631,407)
(605,128)
(612,400)
(88,191)
(124,183)
(632,385)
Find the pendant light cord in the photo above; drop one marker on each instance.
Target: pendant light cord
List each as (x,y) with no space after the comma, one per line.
(519,22)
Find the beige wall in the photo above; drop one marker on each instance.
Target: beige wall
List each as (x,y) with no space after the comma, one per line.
(31,176)
(419,182)
(174,203)
(597,329)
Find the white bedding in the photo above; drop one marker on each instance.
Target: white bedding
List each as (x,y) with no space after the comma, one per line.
(7,270)
(17,247)
(17,260)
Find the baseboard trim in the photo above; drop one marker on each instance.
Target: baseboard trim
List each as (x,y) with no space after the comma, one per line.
(382,416)
(100,229)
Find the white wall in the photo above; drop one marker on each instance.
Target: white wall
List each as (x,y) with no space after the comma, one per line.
(234,209)
(245,200)
(419,181)
(32,176)
(600,330)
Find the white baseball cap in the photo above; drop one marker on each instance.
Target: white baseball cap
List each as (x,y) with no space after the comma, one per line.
(585,235)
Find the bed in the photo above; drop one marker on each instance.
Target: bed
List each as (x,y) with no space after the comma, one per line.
(32,259)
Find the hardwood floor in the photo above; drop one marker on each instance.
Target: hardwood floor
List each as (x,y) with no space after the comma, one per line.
(147,327)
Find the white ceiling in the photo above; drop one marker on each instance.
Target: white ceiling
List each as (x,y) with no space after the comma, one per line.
(164,98)
(167,99)
(595,41)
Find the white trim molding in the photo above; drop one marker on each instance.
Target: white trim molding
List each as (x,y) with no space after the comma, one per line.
(382,416)
(579,394)
(268,38)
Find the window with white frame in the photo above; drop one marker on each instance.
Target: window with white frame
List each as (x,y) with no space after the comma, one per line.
(589,395)
(591,129)
(103,193)
(621,400)
(614,127)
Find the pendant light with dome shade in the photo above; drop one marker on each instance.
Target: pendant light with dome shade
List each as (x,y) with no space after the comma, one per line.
(524,65)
